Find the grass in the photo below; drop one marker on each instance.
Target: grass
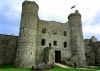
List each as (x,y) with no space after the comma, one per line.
(69,69)
(9,67)
(96,68)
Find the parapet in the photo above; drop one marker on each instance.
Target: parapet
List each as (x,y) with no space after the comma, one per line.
(74,14)
(30,7)
(30,2)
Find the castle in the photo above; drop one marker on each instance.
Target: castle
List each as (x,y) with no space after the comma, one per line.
(48,41)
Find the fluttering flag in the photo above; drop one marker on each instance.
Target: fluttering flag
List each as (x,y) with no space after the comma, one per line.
(73,7)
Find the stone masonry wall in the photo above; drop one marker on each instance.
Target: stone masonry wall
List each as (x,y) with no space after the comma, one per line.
(90,56)
(92,51)
(26,51)
(52,27)
(96,50)
(8,44)
(77,43)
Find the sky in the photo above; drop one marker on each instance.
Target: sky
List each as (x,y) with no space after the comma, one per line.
(52,10)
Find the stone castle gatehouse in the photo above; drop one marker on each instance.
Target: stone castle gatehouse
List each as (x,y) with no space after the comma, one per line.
(47,41)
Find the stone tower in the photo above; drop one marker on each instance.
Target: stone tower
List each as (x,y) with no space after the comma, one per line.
(25,57)
(76,40)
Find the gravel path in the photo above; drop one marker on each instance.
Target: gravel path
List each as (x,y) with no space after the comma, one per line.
(64,66)
(61,65)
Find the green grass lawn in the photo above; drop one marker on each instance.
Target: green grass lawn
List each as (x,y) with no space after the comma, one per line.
(9,67)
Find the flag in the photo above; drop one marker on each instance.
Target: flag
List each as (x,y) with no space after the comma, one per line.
(73,7)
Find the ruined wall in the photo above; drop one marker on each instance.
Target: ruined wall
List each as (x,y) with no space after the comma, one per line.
(96,50)
(92,51)
(33,30)
(8,44)
(90,55)
(54,31)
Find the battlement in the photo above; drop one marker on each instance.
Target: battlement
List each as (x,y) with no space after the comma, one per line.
(30,2)
(74,14)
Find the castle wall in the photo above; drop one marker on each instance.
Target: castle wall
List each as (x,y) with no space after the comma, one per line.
(92,51)
(52,27)
(96,50)
(89,53)
(65,37)
(8,45)
(35,35)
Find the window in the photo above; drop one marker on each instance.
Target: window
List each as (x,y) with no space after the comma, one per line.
(65,33)
(43,30)
(55,32)
(65,44)
(49,44)
(55,43)
(43,42)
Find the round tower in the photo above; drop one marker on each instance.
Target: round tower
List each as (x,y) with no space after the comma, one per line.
(76,40)
(25,57)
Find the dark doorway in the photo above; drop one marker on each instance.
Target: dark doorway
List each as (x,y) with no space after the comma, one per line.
(57,56)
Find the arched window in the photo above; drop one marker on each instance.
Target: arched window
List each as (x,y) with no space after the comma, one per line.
(43,42)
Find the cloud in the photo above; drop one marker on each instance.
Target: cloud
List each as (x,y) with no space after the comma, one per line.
(56,10)
(60,9)
(10,17)
(93,28)
(96,19)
